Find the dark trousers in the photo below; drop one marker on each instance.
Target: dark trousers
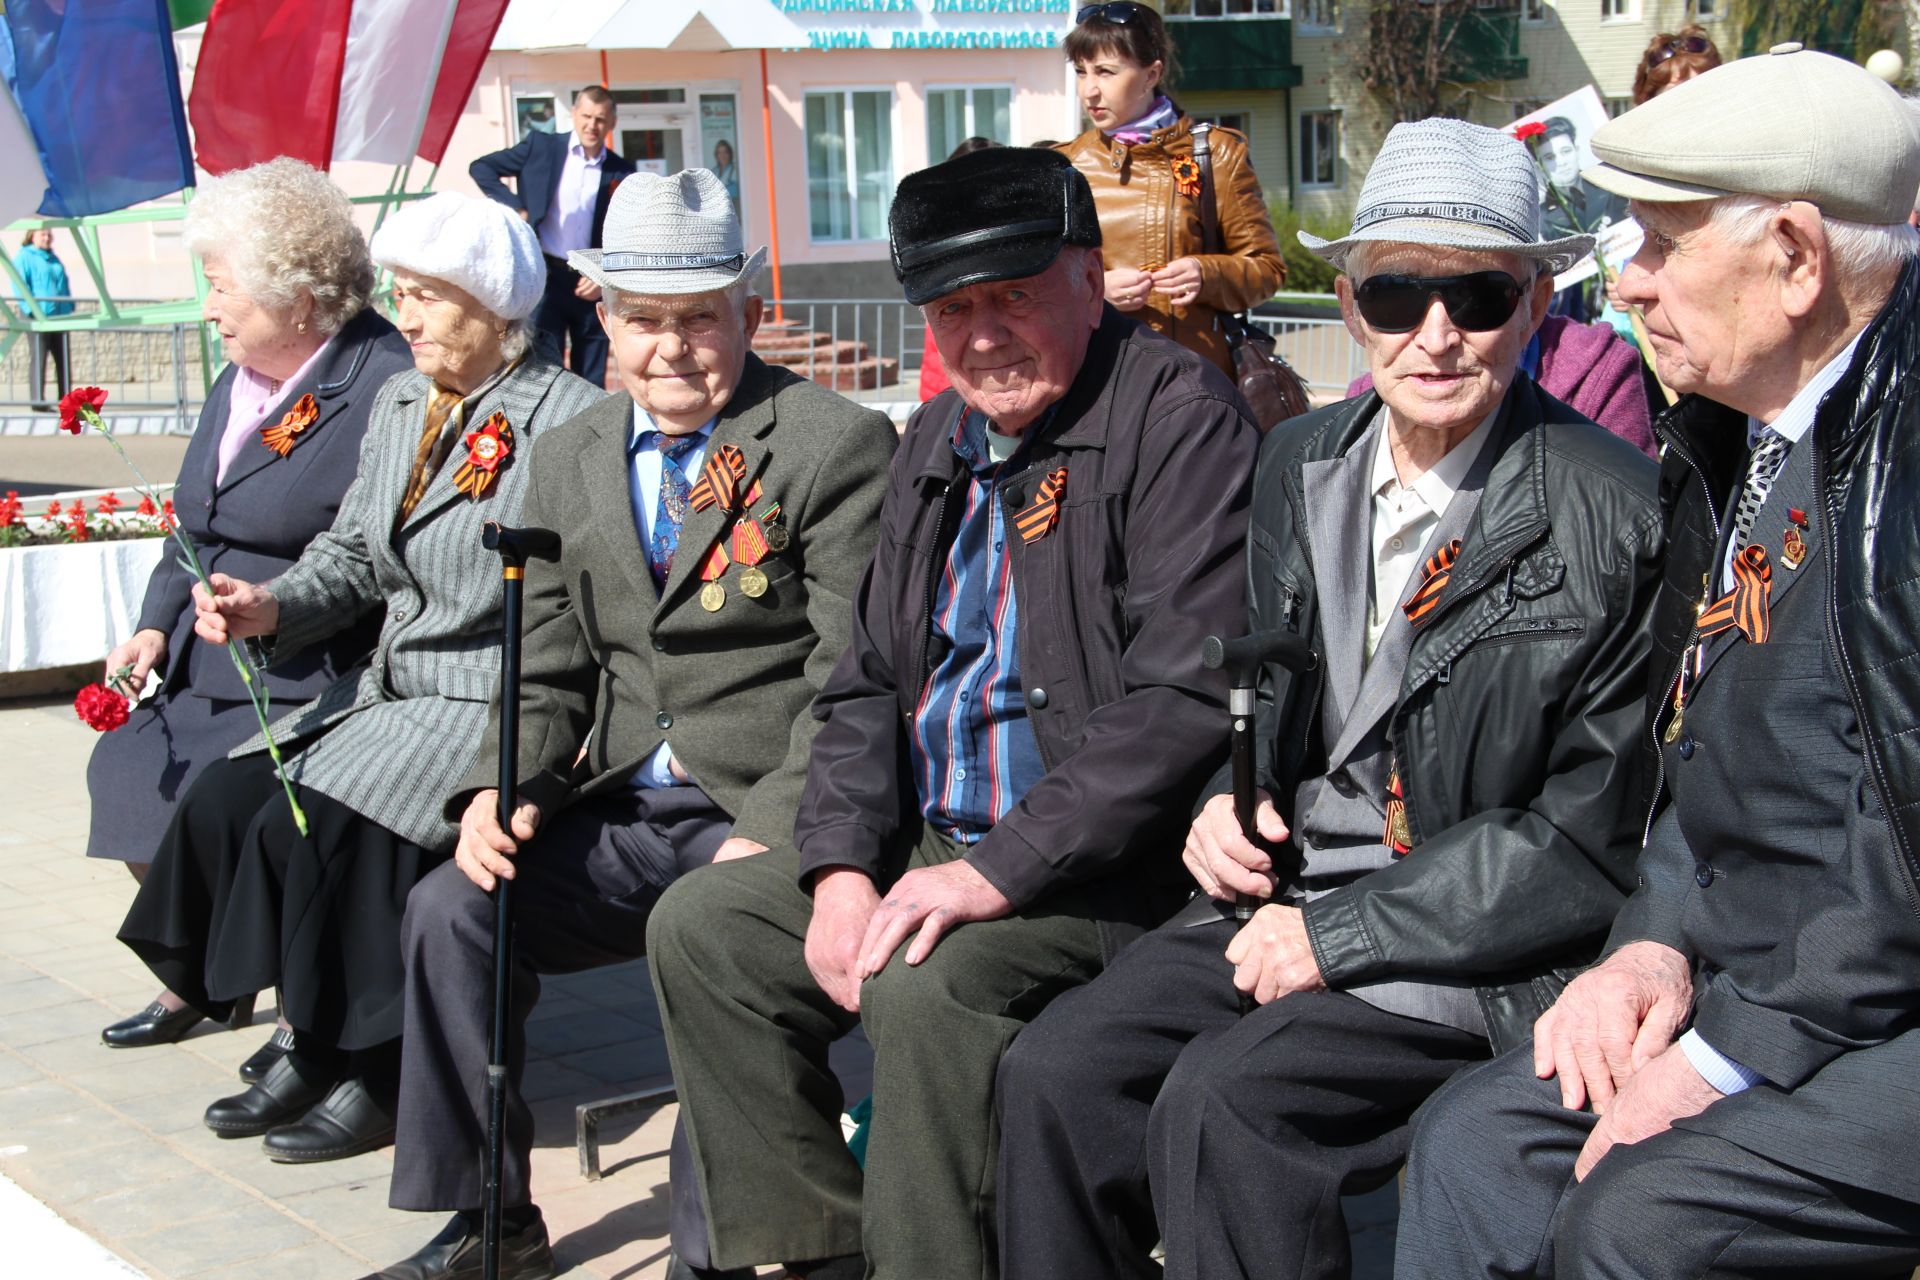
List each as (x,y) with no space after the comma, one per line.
(40,348)
(583,889)
(1490,1192)
(1145,1108)
(748,1030)
(565,319)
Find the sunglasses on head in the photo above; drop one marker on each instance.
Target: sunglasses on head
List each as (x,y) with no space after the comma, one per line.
(1120,11)
(1683,44)
(1477,302)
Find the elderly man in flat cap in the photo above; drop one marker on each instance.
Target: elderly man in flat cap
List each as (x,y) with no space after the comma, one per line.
(1006,755)
(1445,811)
(713,522)
(1732,1090)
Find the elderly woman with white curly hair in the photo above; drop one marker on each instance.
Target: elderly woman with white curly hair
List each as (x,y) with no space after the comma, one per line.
(289,280)
(240,897)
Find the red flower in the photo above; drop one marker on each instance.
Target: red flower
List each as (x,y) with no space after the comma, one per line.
(1531,129)
(53,511)
(101,708)
(109,503)
(77,528)
(146,507)
(10,509)
(77,401)
(167,520)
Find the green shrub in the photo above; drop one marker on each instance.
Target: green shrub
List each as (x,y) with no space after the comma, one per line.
(1306,272)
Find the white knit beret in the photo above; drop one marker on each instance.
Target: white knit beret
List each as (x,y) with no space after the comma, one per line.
(471,243)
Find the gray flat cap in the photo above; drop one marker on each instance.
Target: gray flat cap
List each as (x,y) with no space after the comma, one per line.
(1789,124)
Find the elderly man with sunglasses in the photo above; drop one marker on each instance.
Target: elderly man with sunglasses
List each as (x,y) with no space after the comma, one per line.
(1447,803)
(1731,1092)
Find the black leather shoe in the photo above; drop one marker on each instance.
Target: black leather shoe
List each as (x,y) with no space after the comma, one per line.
(454,1254)
(283,1094)
(155,1024)
(346,1122)
(678,1270)
(254,1069)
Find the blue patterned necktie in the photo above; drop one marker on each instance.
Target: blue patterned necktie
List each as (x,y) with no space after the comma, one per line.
(671,508)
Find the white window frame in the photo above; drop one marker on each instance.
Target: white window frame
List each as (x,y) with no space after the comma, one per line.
(1013,111)
(1305,21)
(1613,12)
(1301,180)
(1708,10)
(893,153)
(1533,12)
(1281,9)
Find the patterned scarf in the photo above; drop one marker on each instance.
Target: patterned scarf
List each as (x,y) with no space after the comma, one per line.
(1161,115)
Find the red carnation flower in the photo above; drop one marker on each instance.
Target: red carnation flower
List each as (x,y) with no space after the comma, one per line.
(77,401)
(101,708)
(1531,129)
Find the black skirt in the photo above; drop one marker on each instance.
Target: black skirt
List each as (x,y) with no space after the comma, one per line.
(139,772)
(238,902)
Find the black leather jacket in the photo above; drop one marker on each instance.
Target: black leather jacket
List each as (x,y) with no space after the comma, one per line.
(1518,721)
(1867,472)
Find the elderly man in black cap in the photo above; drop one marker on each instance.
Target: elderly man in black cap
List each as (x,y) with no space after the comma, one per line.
(1007,754)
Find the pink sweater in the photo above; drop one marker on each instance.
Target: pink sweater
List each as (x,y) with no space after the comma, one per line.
(1593,370)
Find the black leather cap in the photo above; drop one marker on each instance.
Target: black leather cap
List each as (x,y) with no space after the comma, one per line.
(999,214)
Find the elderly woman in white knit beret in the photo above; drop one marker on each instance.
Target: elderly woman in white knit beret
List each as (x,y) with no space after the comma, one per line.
(238,899)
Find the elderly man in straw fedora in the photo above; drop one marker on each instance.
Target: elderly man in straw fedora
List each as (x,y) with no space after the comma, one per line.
(1731,1091)
(1446,814)
(713,522)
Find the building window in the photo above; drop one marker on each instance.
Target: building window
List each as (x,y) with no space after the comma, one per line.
(1533,10)
(1238,121)
(954,115)
(1619,10)
(1526,106)
(1319,149)
(1317,15)
(1226,8)
(849,163)
(1707,10)
(1617,107)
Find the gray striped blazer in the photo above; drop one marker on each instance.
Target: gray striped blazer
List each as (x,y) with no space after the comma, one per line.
(390,740)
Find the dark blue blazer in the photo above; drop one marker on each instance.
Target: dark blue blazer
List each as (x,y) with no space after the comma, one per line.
(536,165)
(255,524)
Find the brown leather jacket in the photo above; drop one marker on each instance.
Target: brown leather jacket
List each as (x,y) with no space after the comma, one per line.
(1146,223)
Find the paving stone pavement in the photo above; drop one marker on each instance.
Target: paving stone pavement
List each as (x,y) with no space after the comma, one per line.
(112,1140)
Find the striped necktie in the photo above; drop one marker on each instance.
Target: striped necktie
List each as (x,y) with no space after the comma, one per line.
(1763,468)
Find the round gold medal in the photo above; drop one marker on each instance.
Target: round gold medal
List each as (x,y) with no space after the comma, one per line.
(712,596)
(777,538)
(753,583)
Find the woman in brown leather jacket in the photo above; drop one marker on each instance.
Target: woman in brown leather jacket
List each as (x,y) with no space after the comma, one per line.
(1138,157)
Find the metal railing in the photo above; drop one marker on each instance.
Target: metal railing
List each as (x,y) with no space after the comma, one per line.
(151,368)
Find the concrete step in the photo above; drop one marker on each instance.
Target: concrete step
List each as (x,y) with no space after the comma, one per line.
(829,352)
(861,375)
(788,338)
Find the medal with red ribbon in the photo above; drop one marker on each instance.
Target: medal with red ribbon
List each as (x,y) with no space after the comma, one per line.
(284,434)
(749,542)
(1398,836)
(487,451)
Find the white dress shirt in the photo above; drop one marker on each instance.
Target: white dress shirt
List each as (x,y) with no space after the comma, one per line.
(1404,517)
(569,221)
(643,486)
(1793,422)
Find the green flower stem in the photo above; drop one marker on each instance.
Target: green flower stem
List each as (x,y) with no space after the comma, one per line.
(256,689)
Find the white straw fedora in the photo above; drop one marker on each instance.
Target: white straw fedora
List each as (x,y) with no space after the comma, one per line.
(1453,185)
(669,234)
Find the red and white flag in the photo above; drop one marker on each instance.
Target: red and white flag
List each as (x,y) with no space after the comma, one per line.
(326,80)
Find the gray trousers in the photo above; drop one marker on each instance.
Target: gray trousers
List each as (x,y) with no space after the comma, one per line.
(583,889)
(748,1030)
(1490,1192)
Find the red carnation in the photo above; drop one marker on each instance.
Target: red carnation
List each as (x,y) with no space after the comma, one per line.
(76,402)
(1531,129)
(101,708)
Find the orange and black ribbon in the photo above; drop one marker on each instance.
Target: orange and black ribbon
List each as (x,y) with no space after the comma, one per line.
(1433,581)
(487,451)
(720,479)
(280,437)
(1398,836)
(1746,607)
(1186,176)
(1040,516)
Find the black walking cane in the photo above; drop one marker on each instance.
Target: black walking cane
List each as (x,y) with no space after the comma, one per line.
(516,547)
(1243,659)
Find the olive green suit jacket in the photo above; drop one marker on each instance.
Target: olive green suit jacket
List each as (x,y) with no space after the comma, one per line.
(611,664)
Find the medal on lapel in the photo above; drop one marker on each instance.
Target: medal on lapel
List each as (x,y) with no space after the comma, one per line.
(487,451)
(1186,177)
(1398,836)
(1793,552)
(284,434)
(1041,516)
(712,597)
(752,541)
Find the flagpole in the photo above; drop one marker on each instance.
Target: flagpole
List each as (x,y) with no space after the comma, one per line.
(773,199)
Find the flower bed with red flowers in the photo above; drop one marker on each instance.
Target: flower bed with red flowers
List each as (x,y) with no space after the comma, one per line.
(104,519)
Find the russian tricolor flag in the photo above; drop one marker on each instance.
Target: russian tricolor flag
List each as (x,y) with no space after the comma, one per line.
(326,80)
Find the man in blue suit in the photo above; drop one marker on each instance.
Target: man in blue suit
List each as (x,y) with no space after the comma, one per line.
(562,183)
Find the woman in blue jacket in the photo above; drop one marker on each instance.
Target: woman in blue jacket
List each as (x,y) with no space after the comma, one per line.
(46,278)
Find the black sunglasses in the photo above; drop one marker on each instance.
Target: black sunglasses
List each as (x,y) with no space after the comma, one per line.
(1685,44)
(1476,302)
(1120,11)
